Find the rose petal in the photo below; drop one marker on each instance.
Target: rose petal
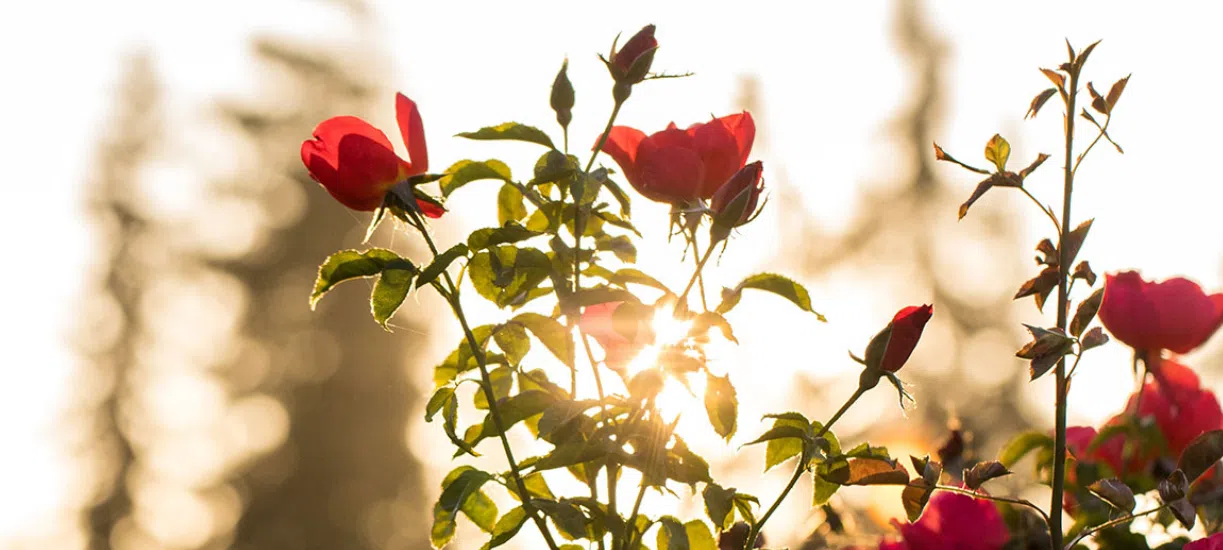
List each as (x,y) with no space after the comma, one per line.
(412,129)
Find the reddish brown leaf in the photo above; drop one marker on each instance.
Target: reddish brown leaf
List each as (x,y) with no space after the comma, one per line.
(1097,101)
(1039,101)
(1086,312)
(1055,77)
(1040,159)
(1114,93)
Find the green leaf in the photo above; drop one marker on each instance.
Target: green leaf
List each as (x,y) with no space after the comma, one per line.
(721,404)
(512,339)
(506,275)
(460,484)
(507,527)
(781,432)
(1201,453)
(1023,444)
(439,264)
(554,166)
(466,171)
(672,535)
(450,420)
(515,409)
(389,293)
(914,498)
(510,206)
(699,536)
(743,503)
(777,284)
(998,151)
(481,510)
(621,246)
(511,131)
(551,333)
(718,504)
(437,401)
(351,264)
(511,232)
(782,449)
(822,491)
(629,275)
(621,197)
(502,379)
(568,518)
(443,526)
(561,413)
(537,486)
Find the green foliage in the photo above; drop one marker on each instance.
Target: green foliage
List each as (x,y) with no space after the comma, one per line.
(511,131)
(466,171)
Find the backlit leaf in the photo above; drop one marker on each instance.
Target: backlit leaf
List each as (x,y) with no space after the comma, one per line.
(721,405)
(389,293)
(997,151)
(466,171)
(511,131)
(350,264)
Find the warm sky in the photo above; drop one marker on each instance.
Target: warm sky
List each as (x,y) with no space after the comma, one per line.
(829,72)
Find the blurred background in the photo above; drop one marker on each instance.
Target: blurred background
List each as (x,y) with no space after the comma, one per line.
(166,386)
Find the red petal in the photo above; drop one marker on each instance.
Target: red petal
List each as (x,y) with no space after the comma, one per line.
(354,161)
(669,174)
(429,209)
(907,327)
(413,131)
(1127,312)
(621,145)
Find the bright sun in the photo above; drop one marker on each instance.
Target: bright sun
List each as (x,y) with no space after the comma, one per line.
(675,399)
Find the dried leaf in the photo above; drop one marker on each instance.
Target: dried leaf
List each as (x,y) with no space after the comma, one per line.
(1115,493)
(1086,312)
(982,472)
(1040,159)
(1114,93)
(1055,77)
(1039,101)
(1083,271)
(1093,339)
(1174,488)
(1097,101)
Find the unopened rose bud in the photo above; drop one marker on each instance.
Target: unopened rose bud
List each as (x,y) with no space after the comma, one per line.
(632,63)
(891,348)
(735,202)
(562,96)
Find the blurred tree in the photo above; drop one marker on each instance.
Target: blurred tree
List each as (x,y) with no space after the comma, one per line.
(234,417)
(902,238)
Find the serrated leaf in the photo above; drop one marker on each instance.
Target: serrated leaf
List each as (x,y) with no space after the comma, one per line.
(621,197)
(1174,488)
(982,472)
(822,491)
(1040,286)
(439,264)
(510,232)
(1039,101)
(481,510)
(782,449)
(1097,101)
(507,527)
(721,405)
(997,151)
(781,432)
(1023,444)
(537,486)
(718,505)
(389,293)
(351,264)
(869,471)
(699,536)
(466,171)
(1203,452)
(437,401)
(502,379)
(1047,347)
(1114,93)
(552,167)
(1093,338)
(511,131)
(1086,312)
(443,526)
(1074,240)
(777,284)
(914,498)
(506,275)
(510,205)
(626,276)
(672,535)
(551,333)
(1116,493)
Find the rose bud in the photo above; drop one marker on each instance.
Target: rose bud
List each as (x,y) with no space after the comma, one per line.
(734,204)
(1174,314)
(890,349)
(680,166)
(357,164)
(632,63)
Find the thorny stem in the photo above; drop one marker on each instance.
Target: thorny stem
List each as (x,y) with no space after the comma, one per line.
(494,411)
(974,494)
(1063,302)
(1112,523)
(1048,211)
(801,467)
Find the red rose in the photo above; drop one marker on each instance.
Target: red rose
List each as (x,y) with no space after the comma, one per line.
(620,338)
(631,64)
(676,166)
(746,186)
(954,522)
(1182,409)
(891,348)
(1213,542)
(357,164)
(1174,314)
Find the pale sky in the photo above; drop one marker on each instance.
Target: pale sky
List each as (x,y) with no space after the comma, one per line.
(830,76)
